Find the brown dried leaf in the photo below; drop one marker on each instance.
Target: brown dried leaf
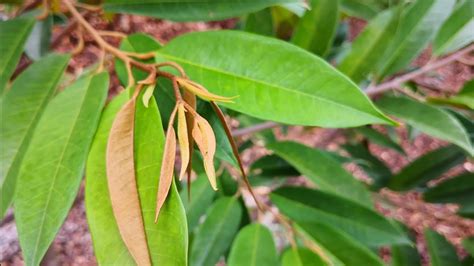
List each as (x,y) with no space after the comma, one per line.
(167,166)
(206,141)
(122,184)
(191,100)
(201,92)
(183,140)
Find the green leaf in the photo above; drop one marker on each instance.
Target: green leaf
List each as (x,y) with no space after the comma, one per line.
(260,22)
(405,255)
(464,99)
(137,43)
(172,225)
(418,25)
(273,166)
(368,48)
(365,9)
(38,42)
(459,189)
(467,210)
(52,168)
(304,205)
(468,244)
(202,195)
(429,119)
(326,172)
(315,31)
(20,110)
(457,31)
(253,246)
(343,247)
(215,235)
(301,257)
(227,186)
(243,65)
(371,165)
(180,10)
(13,34)
(441,252)
(426,168)
(100,218)
(380,139)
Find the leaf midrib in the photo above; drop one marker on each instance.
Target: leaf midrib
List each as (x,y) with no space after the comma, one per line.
(316,97)
(41,226)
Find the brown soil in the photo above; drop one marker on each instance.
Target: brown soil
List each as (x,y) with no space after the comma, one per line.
(73,246)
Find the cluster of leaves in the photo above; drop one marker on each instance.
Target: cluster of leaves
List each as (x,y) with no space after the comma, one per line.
(48,137)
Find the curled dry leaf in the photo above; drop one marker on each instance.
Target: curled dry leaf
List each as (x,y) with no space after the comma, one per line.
(183,140)
(206,142)
(122,184)
(201,92)
(167,166)
(190,99)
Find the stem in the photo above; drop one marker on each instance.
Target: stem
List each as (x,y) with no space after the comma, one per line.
(396,82)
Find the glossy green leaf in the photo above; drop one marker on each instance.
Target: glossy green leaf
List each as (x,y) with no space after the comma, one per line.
(467,210)
(273,166)
(368,48)
(380,139)
(39,40)
(418,25)
(442,253)
(346,249)
(202,195)
(315,31)
(20,110)
(13,34)
(371,165)
(464,99)
(253,246)
(304,205)
(215,235)
(137,43)
(365,9)
(405,255)
(260,22)
(105,233)
(301,257)
(459,189)
(227,186)
(181,10)
(172,225)
(457,31)
(243,65)
(426,168)
(429,119)
(326,172)
(52,168)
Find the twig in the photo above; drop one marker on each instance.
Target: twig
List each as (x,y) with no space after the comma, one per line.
(255,128)
(396,82)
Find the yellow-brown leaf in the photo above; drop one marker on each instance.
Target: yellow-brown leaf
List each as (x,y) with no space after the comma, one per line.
(206,141)
(123,186)
(167,166)
(201,92)
(183,140)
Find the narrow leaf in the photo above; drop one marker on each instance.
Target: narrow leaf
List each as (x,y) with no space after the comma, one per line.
(342,246)
(431,120)
(13,34)
(301,257)
(253,246)
(315,31)
(215,235)
(304,205)
(459,189)
(202,198)
(368,48)
(379,139)
(260,22)
(426,168)
(418,25)
(206,141)
(122,183)
(20,111)
(326,172)
(39,39)
(183,141)
(167,166)
(178,10)
(457,31)
(52,168)
(468,244)
(301,97)
(441,252)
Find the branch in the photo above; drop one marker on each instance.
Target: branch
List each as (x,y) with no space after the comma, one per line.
(397,82)
(255,128)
